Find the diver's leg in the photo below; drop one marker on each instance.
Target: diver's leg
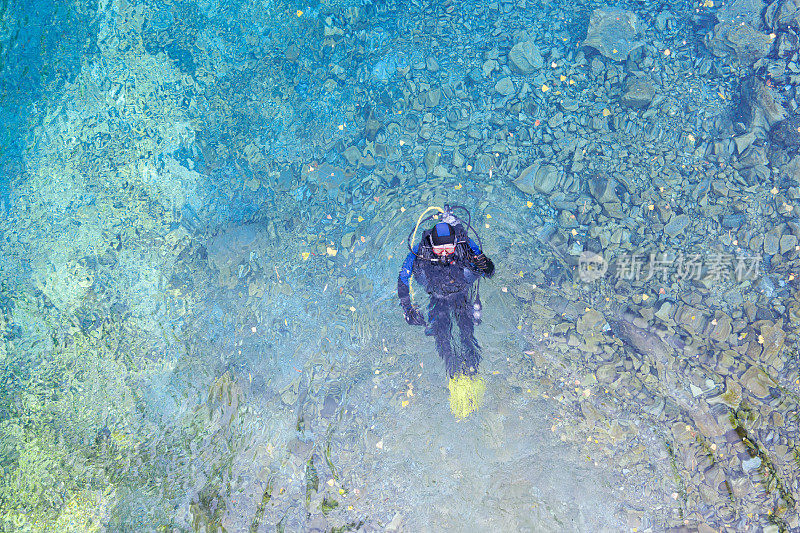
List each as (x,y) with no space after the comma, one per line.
(441,329)
(470,351)
(431,318)
(432,310)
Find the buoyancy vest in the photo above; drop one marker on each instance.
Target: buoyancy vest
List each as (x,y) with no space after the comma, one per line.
(444,278)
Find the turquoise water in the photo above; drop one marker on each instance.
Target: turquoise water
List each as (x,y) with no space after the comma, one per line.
(205,207)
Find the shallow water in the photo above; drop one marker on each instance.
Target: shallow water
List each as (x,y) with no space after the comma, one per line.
(205,206)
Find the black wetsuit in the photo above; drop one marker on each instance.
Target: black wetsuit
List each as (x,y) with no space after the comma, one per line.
(449,283)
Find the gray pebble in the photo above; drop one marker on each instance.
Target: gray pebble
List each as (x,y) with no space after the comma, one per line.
(733,221)
(525,57)
(505,87)
(432,64)
(751,464)
(676,225)
(771,242)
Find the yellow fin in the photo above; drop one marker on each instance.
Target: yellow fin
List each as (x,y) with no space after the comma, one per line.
(466,393)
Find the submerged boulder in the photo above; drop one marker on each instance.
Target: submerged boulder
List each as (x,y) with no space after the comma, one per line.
(738,40)
(738,11)
(639,94)
(525,57)
(614,33)
(788,43)
(537,178)
(787,132)
(760,107)
(782,15)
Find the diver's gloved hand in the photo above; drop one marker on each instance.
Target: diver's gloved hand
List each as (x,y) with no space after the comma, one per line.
(411,314)
(484,264)
(414,317)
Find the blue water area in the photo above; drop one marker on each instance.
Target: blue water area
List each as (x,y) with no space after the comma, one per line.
(204,210)
(41,47)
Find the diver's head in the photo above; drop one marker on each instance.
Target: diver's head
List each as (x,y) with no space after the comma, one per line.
(443,239)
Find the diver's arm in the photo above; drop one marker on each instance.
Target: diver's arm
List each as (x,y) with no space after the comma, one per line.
(412,316)
(404,279)
(483,263)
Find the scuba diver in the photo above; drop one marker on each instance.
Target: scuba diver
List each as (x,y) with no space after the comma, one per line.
(447,263)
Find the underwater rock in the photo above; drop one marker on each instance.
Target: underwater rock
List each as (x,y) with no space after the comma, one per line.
(782,14)
(606,373)
(721,327)
(331,177)
(777,70)
(757,382)
(738,40)
(283,181)
(751,464)
(329,406)
(772,338)
(732,396)
(787,44)
(489,66)
(614,33)
(691,318)
(676,225)
(589,322)
(772,241)
(371,127)
(537,178)
(299,448)
(431,64)
(525,57)
(556,120)
(604,190)
(353,155)
(432,157)
(788,243)
(755,156)
(741,11)
(317,524)
(644,342)
(433,97)
(664,312)
(792,169)
(759,106)
(662,356)
(233,247)
(505,87)
(639,94)
(384,70)
(787,131)
(743,142)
